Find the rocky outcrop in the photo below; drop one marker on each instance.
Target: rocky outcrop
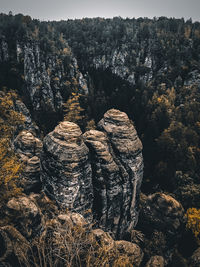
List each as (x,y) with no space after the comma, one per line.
(160,212)
(102,238)
(117,165)
(25,215)
(195,258)
(111,166)
(28,148)
(156,261)
(27,123)
(45,75)
(66,170)
(33,231)
(13,246)
(132,250)
(119,249)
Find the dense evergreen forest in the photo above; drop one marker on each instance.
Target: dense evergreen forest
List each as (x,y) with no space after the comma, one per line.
(148,68)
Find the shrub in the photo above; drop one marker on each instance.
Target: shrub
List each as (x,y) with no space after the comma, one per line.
(10,167)
(193,222)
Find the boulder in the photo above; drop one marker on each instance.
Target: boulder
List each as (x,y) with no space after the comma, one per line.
(131,250)
(25,215)
(103,238)
(72,219)
(163,213)
(156,261)
(195,258)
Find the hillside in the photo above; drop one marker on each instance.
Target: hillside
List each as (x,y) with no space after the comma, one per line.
(130,84)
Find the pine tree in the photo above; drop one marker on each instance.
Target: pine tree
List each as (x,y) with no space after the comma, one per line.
(72,110)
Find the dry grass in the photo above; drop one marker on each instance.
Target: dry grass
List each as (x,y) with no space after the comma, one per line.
(64,245)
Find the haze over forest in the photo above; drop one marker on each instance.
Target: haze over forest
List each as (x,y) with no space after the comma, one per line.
(71,9)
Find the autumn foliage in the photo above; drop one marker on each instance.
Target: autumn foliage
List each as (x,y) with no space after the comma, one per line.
(10,167)
(75,113)
(193,222)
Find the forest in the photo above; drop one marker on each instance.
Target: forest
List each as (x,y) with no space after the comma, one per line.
(147,68)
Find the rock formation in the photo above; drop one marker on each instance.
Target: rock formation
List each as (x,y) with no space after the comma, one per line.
(112,168)
(27,123)
(28,148)
(66,171)
(117,171)
(156,261)
(13,246)
(45,75)
(132,250)
(195,258)
(25,216)
(160,212)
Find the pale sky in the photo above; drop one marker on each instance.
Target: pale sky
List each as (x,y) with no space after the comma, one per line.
(70,9)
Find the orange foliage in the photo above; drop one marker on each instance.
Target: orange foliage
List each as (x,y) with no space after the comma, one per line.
(10,167)
(193,222)
(72,109)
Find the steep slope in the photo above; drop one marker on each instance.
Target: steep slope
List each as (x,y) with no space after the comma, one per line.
(37,61)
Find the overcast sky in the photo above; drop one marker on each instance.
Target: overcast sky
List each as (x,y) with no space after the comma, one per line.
(70,9)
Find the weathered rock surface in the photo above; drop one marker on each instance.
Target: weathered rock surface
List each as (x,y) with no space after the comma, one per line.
(25,215)
(162,213)
(119,249)
(27,123)
(30,221)
(117,163)
(103,238)
(28,148)
(112,168)
(43,73)
(156,261)
(132,250)
(66,171)
(12,246)
(72,219)
(195,259)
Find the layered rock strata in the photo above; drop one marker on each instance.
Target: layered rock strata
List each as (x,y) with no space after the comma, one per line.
(117,165)
(28,148)
(100,170)
(66,170)
(27,123)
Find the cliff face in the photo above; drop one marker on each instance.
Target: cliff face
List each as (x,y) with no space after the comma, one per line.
(105,178)
(44,72)
(46,76)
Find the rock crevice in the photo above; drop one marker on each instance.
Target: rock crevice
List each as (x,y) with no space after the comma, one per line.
(100,170)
